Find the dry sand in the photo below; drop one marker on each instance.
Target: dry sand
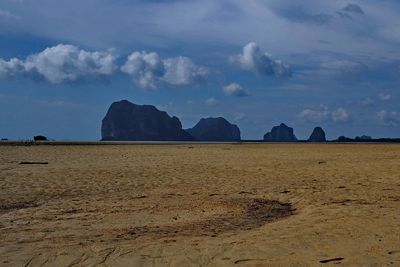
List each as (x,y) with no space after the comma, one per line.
(185,205)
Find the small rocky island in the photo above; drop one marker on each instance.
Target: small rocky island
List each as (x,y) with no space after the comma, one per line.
(215,129)
(126,121)
(281,133)
(318,135)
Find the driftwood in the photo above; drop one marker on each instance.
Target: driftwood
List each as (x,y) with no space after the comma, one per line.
(335,259)
(33,162)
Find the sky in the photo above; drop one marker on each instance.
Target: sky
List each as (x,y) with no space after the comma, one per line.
(258,63)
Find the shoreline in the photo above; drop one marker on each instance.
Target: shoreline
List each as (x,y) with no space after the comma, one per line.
(95,143)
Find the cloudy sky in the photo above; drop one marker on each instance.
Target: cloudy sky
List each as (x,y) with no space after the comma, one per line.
(258,63)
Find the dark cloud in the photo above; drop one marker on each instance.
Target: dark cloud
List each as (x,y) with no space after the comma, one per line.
(298,13)
(349,11)
(344,15)
(353,8)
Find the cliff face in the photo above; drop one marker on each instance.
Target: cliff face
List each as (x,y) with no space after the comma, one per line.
(126,121)
(281,133)
(215,129)
(318,135)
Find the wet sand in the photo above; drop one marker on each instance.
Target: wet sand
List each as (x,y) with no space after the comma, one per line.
(200,204)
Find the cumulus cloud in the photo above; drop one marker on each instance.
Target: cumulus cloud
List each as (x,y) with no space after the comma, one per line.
(254,60)
(10,68)
(391,118)
(340,115)
(235,89)
(61,63)
(211,102)
(148,70)
(182,71)
(68,63)
(315,115)
(323,114)
(385,97)
(64,63)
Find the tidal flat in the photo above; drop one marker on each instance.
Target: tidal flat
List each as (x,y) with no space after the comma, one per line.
(200,204)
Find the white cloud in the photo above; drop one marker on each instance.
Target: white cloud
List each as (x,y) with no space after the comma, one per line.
(211,101)
(61,63)
(182,71)
(340,115)
(235,89)
(389,117)
(368,102)
(68,63)
(10,68)
(64,63)
(315,115)
(385,97)
(323,114)
(254,60)
(148,70)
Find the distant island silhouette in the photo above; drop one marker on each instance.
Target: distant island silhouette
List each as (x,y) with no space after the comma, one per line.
(215,129)
(126,121)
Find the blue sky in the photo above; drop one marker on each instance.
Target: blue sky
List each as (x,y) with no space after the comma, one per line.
(308,63)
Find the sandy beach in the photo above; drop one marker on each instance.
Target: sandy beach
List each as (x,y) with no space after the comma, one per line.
(200,205)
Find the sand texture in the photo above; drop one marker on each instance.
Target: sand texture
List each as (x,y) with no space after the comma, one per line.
(200,204)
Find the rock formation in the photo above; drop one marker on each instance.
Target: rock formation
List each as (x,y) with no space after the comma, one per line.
(281,133)
(126,121)
(318,135)
(344,139)
(363,138)
(40,138)
(215,129)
